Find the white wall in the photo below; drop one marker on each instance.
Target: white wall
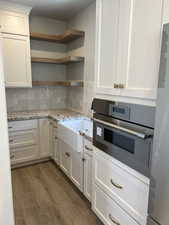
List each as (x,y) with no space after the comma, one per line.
(6,204)
(80,99)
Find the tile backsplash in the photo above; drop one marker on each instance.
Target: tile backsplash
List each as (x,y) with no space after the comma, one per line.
(36,98)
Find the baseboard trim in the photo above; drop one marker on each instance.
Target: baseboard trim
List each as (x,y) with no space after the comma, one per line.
(30,163)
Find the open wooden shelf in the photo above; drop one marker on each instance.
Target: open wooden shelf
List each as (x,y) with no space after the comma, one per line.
(65,60)
(71,83)
(68,36)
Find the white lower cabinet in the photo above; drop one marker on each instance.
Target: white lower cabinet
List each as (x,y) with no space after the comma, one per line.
(44,129)
(23,141)
(76,169)
(17,61)
(71,163)
(88,155)
(125,186)
(108,210)
(56,149)
(88,176)
(24,154)
(64,157)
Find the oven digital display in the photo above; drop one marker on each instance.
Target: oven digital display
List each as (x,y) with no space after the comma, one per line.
(119,140)
(118,110)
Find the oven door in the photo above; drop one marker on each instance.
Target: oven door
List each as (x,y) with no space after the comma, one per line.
(128,146)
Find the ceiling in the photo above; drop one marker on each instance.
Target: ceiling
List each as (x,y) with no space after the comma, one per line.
(57,9)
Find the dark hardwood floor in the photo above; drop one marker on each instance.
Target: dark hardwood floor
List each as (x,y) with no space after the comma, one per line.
(44,196)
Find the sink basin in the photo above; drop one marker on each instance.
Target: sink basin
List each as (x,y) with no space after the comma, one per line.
(70,132)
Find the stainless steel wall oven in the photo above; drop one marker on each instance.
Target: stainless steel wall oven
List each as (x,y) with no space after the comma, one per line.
(124,131)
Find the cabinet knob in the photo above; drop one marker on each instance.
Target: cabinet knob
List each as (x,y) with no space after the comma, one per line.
(83,159)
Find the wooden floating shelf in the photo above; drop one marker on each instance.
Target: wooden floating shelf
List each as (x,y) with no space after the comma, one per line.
(73,83)
(65,60)
(68,36)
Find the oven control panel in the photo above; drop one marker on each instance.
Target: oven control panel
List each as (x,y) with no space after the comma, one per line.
(119,111)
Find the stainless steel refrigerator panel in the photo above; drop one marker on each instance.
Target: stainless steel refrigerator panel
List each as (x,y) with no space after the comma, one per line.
(159,190)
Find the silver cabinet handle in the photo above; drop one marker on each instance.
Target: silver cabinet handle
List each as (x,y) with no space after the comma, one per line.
(132,132)
(113,220)
(116,185)
(89,149)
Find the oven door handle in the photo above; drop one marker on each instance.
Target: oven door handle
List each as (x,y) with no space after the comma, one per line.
(132,132)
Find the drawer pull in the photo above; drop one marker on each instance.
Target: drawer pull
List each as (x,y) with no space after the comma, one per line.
(12,156)
(67,154)
(11,141)
(89,149)
(10,127)
(116,86)
(56,138)
(113,220)
(121,86)
(116,185)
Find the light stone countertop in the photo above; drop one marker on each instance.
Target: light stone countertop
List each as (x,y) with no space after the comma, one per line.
(57,115)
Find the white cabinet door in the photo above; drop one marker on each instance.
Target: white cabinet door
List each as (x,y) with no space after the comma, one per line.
(76,169)
(106,46)
(44,138)
(14,23)
(17,61)
(141,66)
(88,176)
(128,39)
(65,161)
(56,151)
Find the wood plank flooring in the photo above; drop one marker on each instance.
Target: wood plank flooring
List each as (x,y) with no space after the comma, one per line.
(44,196)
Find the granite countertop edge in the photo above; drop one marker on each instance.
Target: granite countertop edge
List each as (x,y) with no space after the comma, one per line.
(55,115)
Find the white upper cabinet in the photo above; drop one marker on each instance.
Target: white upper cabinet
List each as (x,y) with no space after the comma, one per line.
(17,61)
(14,23)
(106,49)
(128,48)
(14,27)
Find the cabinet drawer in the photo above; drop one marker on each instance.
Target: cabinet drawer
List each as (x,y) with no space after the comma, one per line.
(23,138)
(125,188)
(24,154)
(88,147)
(108,211)
(14,23)
(22,125)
